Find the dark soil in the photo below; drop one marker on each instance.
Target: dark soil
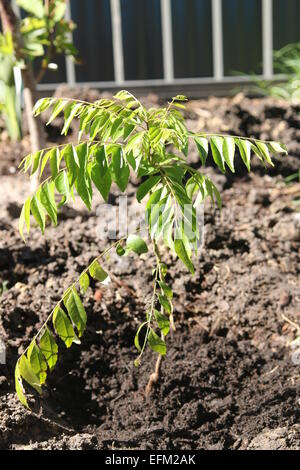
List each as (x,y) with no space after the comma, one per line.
(229,380)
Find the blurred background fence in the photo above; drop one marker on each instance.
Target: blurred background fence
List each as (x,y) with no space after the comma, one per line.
(141,43)
(163,42)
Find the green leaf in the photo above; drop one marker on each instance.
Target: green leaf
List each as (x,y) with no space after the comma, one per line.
(202,146)
(146,186)
(70,113)
(216,144)
(263,148)
(72,163)
(136,244)
(48,200)
(49,348)
(245,151)
(34,7)
(97,272)
(229,151)
(179,98)
(54,161)
(76,310)
(128,128)
(82,183)
(84,282)
(36,157)
(166,289)
(57,108)
(19,386)
(134,142)
(100,173)
(25,218)
(41,105)
(213,192)
(44,162)
(156,343)
(277,148)
(164,302)
(181,251)
(28,374)
(62,186)
(63,326)
(37,362)
(120,169)
(136,338)
(163,322)
(38,213)
(115,128)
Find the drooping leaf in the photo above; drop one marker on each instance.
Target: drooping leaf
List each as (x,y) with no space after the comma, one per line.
(97,272)
(62,186)
(100,173)
(54,161)
(62,326)
(277,148)
(181,251)
(70,113)
(165,303)
(70,156)
(245,151)
(156,343)
(228,152)
(38,212)
(137,336)
(146,186)
(49,348)
(76,311)
(48,200)
(263,148)
(28,374)
(166,289)
(216,144)
(120,169)
(202,146)
(19,386)
(37,362)
(163,322)
(57,109)
(83,182)
(36,158)
(84,282)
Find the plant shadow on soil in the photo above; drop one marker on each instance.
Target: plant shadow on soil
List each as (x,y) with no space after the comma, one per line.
(227,382)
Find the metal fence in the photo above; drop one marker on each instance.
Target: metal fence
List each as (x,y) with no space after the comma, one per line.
(136,43)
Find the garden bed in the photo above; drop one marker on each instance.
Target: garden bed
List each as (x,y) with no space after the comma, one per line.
(228,380)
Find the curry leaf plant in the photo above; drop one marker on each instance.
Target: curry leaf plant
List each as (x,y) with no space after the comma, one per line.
(117,136)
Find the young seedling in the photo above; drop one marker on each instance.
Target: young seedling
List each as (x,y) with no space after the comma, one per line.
(116,135)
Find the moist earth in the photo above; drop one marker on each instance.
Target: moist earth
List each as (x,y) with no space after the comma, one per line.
(230,379)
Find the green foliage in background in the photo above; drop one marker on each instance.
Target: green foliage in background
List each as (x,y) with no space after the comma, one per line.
(9,101)
(117,136)
(287,63)
(45,34)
